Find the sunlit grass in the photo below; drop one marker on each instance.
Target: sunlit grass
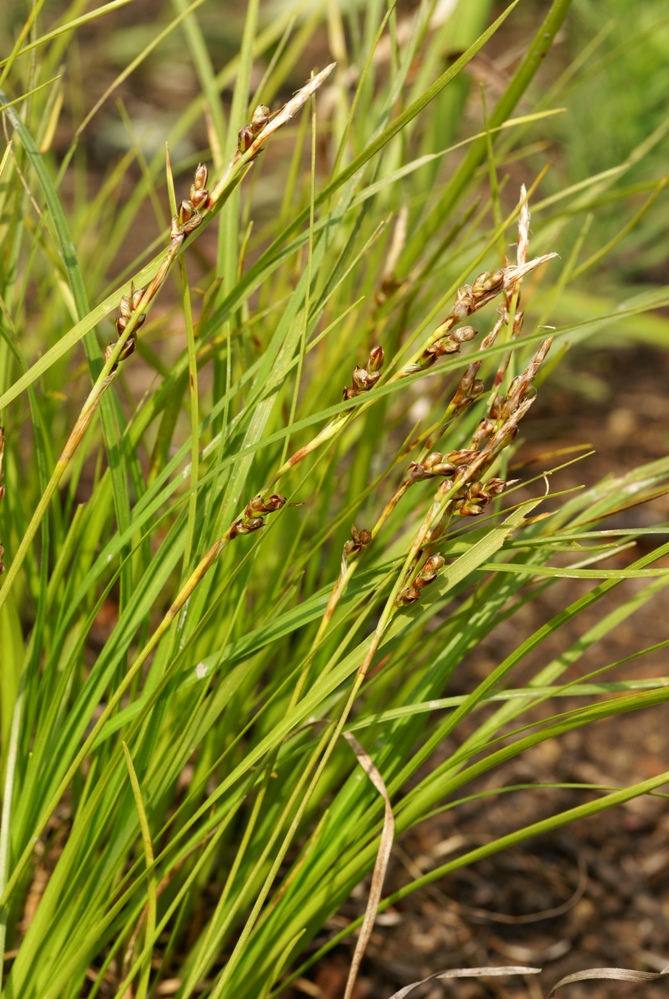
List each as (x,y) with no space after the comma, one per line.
(345,323)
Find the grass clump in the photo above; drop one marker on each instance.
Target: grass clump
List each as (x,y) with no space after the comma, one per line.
(189,624)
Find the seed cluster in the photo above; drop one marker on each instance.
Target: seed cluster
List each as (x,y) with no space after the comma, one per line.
(427,575)
(473,497)
(252,519)
(366,378)
(189,217)
(191,210)
(248,133)
(469,298)
(128,304)
(359,541)
(464,490)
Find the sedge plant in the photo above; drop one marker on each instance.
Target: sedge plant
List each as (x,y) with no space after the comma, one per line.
(271,519)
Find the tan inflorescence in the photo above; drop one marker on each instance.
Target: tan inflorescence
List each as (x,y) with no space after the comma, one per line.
(359,541)
(465,490)
(253,517)
(366,378)
(192,210)
(427,575)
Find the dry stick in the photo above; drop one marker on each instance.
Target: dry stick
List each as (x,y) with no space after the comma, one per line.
(381,865)
(490,972)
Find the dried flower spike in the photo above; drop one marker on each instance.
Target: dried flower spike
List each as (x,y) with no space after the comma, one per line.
(434,464)
(260,505)
(366,378)
(475,496)
(199,194)
(127,307)
(427,575)
(449,344)
(359,540)
(259,118)
(245,525)
(245,137)
(251,520)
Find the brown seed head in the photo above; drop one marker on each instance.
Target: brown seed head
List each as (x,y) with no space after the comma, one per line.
(494,487)
(444,345)
(125,307)
(260,504)
(245,137)
(360,377)
(409,594)
(185,212)
(259,118)
(376,357)
(359,540)
(435,562)
(200,177)
(416,472)
(274,503)
(470,509)
(463,334)
(362,537)
(245,526)
(435,458)
(108,352)
(488,282)
(199,198)
(459,457)
(128,348)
